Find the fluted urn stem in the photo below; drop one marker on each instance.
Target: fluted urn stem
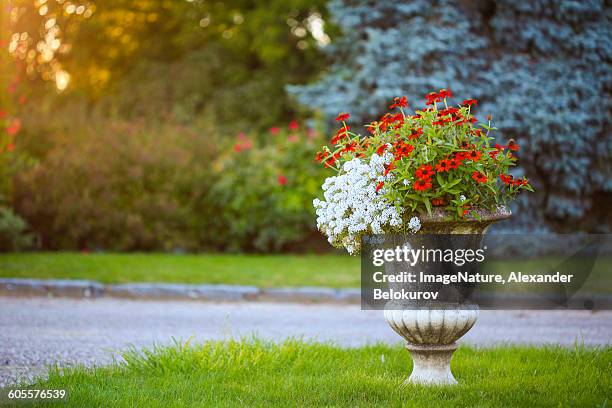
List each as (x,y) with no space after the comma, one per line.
(431,364)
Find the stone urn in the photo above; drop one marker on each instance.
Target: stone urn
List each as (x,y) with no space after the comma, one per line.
(431,329)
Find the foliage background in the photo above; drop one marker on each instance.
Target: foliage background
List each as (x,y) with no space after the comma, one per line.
(542,68)
(130,111)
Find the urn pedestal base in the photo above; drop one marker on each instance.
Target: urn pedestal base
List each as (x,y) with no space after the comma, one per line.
(431,364)
(431,335)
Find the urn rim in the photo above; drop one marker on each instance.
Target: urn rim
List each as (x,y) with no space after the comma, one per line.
(439,215)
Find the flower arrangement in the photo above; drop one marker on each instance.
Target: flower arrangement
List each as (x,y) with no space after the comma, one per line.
(439,156)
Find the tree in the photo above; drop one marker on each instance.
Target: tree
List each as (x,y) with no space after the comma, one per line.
(225,62)
(542,68)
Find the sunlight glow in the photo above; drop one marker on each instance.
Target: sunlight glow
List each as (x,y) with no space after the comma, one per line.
(62,78)
(316,26)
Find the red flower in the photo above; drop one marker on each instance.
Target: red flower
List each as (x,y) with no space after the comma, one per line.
(438,97)
(340,134)
(321,155)
(512,145)
(388,168)
(506,178)
(424,172)
(479,177)
(332,160)
(415,133)
(3,114)
(437,202)
(460,156)
(422,184)
(342,117)
(274,130)
(10,147)
(282,180)
(381,149)
(379,186)
(372,127)
(293,125)
(402,149)
(351,147)
(442,121)
(448,111)
(470,102)
(14,127)
(406,149)
(431,98)
(444,165)
(473,155)
(398,119)
(385,121)
(498,148)
(399,103)
(520,182)
(445,93)
(456,162)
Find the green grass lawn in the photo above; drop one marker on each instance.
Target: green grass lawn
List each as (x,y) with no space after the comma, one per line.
(258,270)
(293,373)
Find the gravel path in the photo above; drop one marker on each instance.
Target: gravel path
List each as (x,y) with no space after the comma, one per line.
(39,331)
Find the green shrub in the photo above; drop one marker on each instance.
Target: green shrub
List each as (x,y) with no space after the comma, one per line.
(120,186)
(13,231)
(266,190)
(124,186)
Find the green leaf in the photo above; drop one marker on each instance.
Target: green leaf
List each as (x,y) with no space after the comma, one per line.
(453,183)
(490,187)
(440,180)
(413,197)
(427,204)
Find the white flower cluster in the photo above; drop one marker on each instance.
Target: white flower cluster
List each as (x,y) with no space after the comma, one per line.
(414,225)
(352,207)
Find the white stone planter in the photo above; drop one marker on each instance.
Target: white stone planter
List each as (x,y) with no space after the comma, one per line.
(431,330)
(430,336)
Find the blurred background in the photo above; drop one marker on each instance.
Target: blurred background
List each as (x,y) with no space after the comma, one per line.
(191,125)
